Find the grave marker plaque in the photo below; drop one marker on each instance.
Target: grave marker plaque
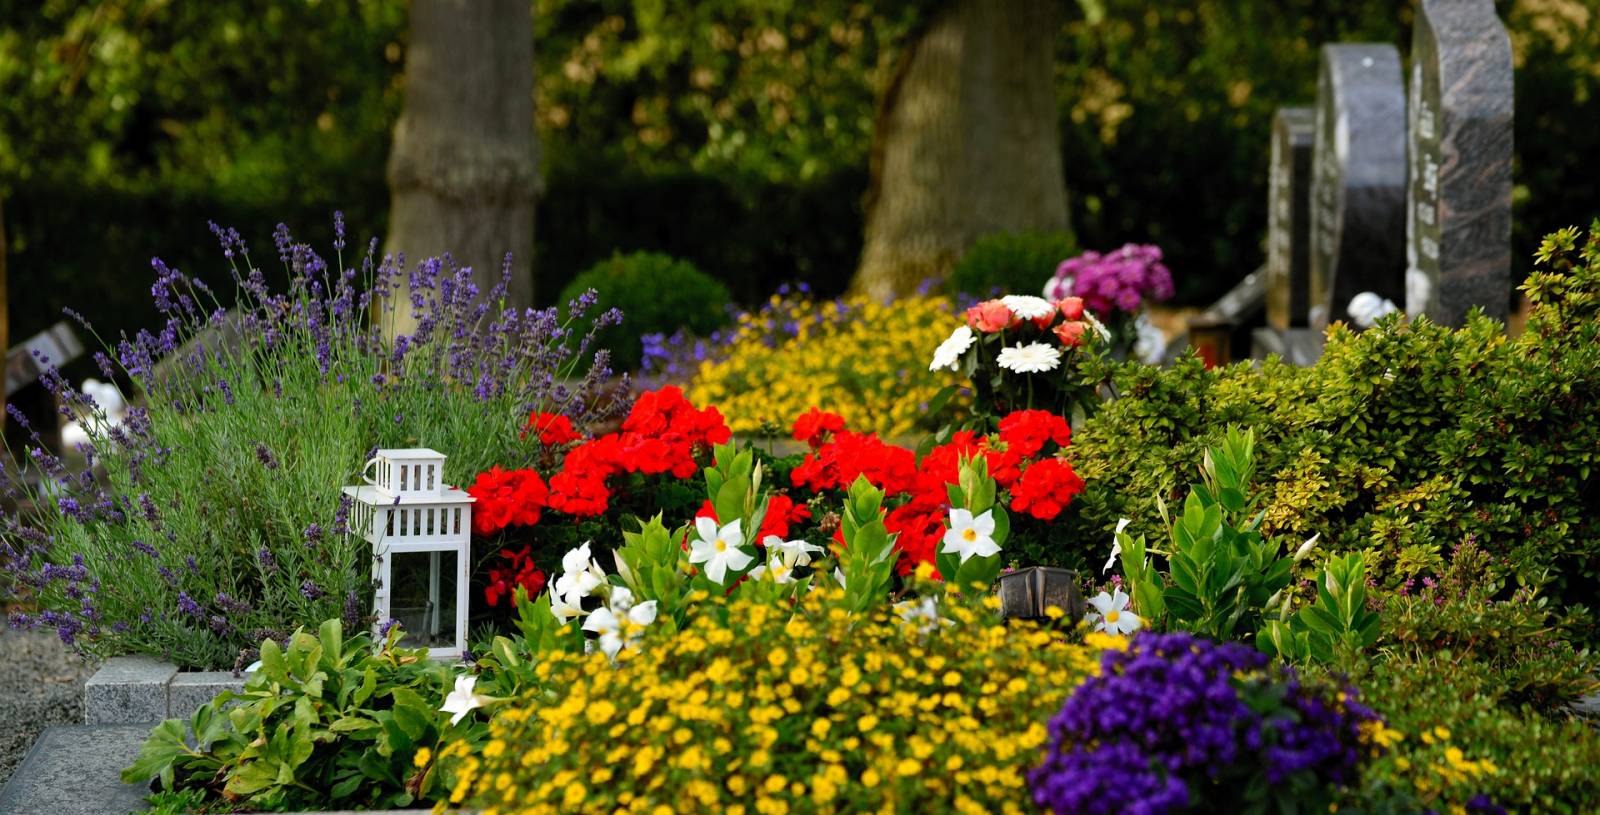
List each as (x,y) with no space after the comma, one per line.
(1358,198)
(1289,218)
(1458,218)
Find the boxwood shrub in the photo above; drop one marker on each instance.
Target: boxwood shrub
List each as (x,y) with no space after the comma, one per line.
(1403,441)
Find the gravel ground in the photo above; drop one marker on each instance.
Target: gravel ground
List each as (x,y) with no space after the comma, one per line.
(41,684)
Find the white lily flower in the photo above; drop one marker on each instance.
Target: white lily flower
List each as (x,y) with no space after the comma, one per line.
(718,549)
(1113,616)
(621,599)
(799,550)
(613,634)
(577,559)
(969,536)
(779,564)
(581,574)
(462,700)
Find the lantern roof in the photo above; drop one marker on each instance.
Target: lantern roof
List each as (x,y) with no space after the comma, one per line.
(410,453)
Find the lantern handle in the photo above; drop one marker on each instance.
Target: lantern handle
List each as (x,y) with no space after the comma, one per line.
(367,470)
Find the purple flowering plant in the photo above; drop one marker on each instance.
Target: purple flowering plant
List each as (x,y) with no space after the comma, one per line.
(1177,723)
(1116,285)
(208,516)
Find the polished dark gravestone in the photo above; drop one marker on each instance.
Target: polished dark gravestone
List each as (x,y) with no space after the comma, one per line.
(1289,218)
(1358,198)
(1458,220)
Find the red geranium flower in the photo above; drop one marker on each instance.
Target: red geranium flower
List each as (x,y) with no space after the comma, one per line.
(553,429)
(815,426)
(1045,489)
(506,498)
(518,570)
(1026,432)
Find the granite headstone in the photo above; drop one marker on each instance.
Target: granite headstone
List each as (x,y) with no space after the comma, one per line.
(1358,198)
(1458,218)
(1289,218)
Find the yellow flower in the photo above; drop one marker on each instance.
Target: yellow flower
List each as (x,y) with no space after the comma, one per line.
(423,756)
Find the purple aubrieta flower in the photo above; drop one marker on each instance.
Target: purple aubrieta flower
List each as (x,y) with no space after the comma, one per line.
(1176,723)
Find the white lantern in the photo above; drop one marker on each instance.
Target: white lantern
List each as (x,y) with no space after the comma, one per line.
(421,535)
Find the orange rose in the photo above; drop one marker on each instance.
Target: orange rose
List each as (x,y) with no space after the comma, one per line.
(1071,333)
(990,316)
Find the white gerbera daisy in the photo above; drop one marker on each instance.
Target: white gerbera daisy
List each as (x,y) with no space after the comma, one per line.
(949,352)
(1033,358)
(1027,306)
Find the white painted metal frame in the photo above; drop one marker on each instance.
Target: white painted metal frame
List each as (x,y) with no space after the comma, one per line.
(403,508)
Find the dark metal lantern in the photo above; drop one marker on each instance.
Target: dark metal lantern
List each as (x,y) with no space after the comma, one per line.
(1026,593)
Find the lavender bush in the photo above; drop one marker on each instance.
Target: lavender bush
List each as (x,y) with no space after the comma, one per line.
(1180,724)
(216,520)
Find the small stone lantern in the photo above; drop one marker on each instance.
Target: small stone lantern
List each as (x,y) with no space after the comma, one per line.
(1026,593)
(421,536)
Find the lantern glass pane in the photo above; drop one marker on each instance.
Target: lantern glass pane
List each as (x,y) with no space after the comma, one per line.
(423,597)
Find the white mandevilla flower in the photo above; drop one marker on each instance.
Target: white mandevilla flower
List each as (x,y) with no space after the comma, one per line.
(1033,358)
(462,700)
(1113,616)
(949,352)
(800,550)
(1116,544)
(565,608)
(618,625)
(924,613)
(969,536)
(838,574)
(779,564)
(1027,306)
(581,574)
(718,549)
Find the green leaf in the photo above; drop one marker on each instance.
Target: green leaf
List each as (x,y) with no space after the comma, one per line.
(158,754)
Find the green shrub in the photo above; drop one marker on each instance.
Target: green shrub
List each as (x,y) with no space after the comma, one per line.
(657,295)
(1010,263)
(1454,714)
(325,722)
(1402,442)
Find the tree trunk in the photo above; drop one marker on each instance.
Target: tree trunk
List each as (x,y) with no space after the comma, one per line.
(966,144)
(463,171)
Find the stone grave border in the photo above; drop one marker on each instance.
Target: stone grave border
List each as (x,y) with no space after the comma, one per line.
(142,690)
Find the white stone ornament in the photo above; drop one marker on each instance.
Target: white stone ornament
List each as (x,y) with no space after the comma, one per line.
(421,535)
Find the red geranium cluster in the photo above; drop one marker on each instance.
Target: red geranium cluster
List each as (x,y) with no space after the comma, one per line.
(506,498)
(516,570)
(814,427)
(1020,459)
(552,429)
(662,434)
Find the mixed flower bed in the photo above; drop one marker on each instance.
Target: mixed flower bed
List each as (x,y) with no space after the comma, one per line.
(668,619)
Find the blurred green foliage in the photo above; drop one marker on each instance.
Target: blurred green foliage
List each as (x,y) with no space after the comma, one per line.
(733,134)
(1010,263)
(658,294)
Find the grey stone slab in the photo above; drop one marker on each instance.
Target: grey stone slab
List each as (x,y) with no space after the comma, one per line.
(1458,218)
(188,691)
(76,770)
(1358,185)
(1296,346)
(128,690)
(1289,218)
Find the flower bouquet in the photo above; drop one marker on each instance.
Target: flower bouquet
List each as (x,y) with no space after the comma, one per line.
(1022,353)
(1116,286)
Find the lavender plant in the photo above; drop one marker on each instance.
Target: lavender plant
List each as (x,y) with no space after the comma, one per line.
(216,520)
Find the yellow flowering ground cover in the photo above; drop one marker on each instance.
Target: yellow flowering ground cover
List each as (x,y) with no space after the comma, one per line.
(864,360)
(753,709)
